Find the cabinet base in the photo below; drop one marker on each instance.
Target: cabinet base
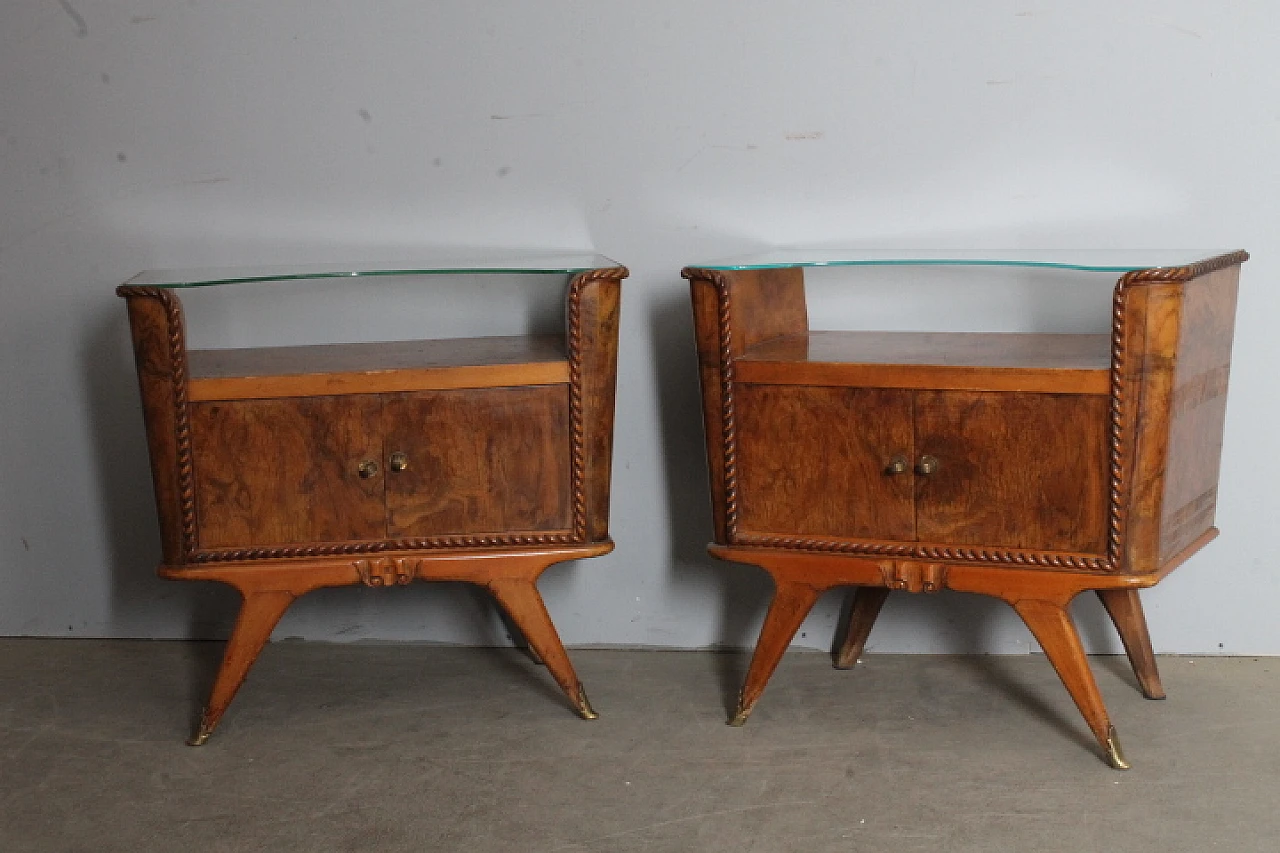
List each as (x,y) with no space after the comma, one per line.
(268,587)
(1041,598)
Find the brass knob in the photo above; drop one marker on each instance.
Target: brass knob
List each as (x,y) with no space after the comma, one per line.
(368,468)
(897,465)
(399,461)
(927,465)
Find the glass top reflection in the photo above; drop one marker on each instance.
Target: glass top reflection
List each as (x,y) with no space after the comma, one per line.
(479,262)
(1088,261)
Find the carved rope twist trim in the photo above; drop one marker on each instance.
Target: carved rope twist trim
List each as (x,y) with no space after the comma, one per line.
(1117,509)
(577,451)
(186,467)
(1119,442)
(927,552)
(728,417)
(831,546)
(339,549)
(181,421)
(1185,273)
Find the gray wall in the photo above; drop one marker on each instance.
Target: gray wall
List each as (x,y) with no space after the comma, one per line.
(137,135)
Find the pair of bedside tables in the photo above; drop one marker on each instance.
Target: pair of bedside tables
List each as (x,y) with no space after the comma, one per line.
(1026,467)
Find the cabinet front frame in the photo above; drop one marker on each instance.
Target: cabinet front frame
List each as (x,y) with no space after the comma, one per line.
(591,332)
(725,329)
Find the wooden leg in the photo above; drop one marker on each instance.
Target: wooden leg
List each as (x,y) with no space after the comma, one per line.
(791,603)
(1051,624)
(520,598)
(867,601)
(259,614)
(1125,609)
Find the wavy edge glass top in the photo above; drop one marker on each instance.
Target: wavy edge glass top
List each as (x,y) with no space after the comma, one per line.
(485,263)
(1087,261)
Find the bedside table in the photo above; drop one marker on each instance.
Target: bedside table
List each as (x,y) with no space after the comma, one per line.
(280,470)
(1025,467)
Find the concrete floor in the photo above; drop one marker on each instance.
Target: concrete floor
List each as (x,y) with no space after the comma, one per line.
(369,748)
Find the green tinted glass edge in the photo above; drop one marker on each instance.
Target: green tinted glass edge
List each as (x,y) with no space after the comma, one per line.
(932,262)
(556,265)
(1109,261)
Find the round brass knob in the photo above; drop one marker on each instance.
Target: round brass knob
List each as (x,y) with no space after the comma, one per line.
(399,461)
(897,465)
(368,468)
(927,465)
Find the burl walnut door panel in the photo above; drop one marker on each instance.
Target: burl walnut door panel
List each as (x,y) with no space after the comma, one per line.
(482,460)
(1014,470)
(813,460)
(287,471)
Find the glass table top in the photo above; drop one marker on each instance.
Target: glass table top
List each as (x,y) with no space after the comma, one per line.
(479,262)
(1089,261)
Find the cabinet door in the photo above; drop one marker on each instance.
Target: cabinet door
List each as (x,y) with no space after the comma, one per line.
(1014,470)
(287,471)
(482,460)
(813,461)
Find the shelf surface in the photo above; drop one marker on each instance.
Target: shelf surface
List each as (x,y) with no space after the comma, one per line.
(1086,261)
(968,361)
(376,368)
(477,262)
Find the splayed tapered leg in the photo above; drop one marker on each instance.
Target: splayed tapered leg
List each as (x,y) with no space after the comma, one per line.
(867,601)
(258,617)
(1125,609)
(522,602)
(1051,624)
(791,604)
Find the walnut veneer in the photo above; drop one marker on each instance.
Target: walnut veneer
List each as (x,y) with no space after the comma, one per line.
(282,470)
(1025,467)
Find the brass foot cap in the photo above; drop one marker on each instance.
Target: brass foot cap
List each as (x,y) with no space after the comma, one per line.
(1115,755)
(739,719)
(199,738)
(584,707)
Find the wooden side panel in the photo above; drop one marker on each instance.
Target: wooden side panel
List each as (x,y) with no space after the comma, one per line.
(599,301)
(763,304)
(813,461)
(1198,409)
(280,472)
(488,460)
(1152,318)
(149,325)
(1014,470)
(766,304)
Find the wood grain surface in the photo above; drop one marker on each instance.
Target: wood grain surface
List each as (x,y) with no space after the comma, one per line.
(369,368)
(276,472)
(594,306)
(1198,409)
(479,461)
(732,312)
(1075,364)
(814,461)
(1014,470)
(1178,338)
